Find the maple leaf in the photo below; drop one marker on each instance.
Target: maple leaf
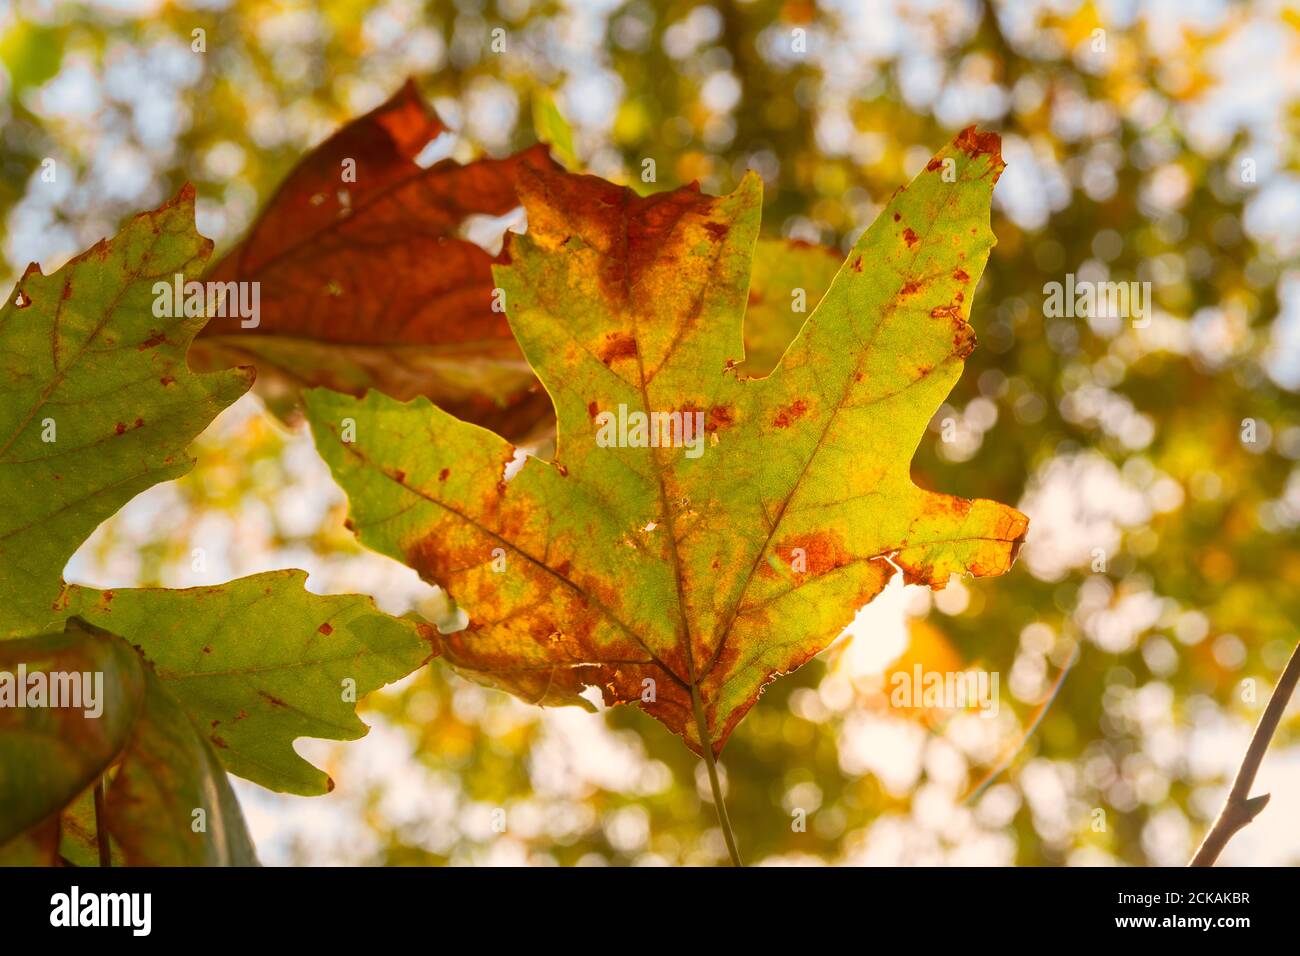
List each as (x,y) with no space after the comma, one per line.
(99,403)
(200,687)
(366,281)
(685,582)
(259,661)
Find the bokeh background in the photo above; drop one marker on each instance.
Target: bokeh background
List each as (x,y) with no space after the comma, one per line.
(1144,141)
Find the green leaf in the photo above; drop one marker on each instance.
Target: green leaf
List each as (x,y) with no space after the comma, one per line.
(98,403)
(683,579)
(553,129)
(49,755)
(260,661)
(31,54)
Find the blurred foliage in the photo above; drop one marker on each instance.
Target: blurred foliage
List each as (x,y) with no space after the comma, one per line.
(1143,144)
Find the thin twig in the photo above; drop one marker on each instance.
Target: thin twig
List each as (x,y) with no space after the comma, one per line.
(706,745)
(101,825)
(1240,809)
(1043,708)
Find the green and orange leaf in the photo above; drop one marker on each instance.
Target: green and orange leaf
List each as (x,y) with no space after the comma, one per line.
(646,572)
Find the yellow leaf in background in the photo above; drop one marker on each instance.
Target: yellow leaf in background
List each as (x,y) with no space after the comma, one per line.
(931,651)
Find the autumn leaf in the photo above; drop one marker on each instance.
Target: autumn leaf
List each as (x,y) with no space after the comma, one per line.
(788,279)
(99,403)
(166,780)
(36,846)
(685,578)
(170,803)
(260,661)
(78,834)
(365,280)
(48,755)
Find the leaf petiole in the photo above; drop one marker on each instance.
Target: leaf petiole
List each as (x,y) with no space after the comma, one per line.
(706,745)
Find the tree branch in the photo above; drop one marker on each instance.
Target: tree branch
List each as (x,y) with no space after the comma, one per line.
(1240,809)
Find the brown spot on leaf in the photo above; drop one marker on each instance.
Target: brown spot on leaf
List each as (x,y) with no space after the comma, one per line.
(325,629)
(910,288)
(166,380)
(720,416)
(120,427)
(963,340)
(980,144)
(271,699)
(592,409)
(444,474)
(821,551)
(857,264)
(157,338)
(617,345)
(718,230)
(219,743)
(934,164)
(790,414)
(910,237)
(961,275)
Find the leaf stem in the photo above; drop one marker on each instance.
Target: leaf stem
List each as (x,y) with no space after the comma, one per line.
(1239,809)
(719,804)
(101,825)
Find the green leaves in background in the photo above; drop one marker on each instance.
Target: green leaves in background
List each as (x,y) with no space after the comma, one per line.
(553,129)
(98,402)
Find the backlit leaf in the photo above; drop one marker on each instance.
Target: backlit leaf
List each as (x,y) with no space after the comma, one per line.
(657,574)
(260,661)
(98,402)
(49,755)
(170,803)
(369,282)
